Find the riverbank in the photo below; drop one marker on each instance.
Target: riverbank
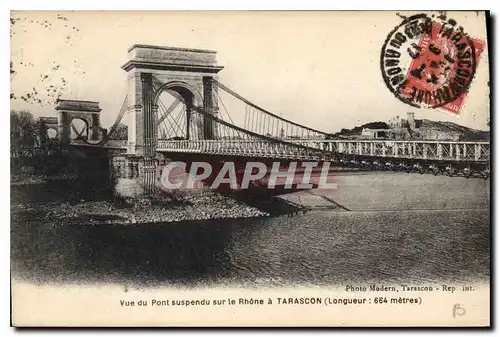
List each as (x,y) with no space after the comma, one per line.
(148,210)
(58,203)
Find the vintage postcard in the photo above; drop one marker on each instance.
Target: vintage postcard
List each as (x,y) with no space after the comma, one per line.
(250,168)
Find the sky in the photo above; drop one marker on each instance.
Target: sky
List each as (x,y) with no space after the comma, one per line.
(320,69)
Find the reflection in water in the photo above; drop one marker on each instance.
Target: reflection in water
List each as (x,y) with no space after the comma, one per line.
(320,247)
(138,253)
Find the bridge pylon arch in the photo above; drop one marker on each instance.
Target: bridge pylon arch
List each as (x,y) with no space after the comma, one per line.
(69,110)
(183,92)
(153,69)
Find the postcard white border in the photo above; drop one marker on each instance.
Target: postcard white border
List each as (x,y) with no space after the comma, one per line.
(185,5)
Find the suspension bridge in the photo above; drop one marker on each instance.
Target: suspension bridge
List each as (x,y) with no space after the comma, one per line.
(175,104)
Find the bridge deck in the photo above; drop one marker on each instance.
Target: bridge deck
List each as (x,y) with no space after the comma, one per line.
(478,152)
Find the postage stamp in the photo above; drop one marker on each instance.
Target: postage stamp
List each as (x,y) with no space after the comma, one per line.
(430,62)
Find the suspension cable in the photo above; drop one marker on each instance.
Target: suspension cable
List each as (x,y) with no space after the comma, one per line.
(224,106)
(238,96)
(169,110)
(255,135)
(170,117)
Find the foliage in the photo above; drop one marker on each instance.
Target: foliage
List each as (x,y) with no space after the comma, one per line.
(121,132)
(23,132)
(28,135)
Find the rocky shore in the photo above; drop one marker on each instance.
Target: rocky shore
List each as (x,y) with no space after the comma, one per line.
(146,210)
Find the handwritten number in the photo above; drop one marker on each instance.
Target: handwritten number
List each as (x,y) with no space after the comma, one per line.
(458,310)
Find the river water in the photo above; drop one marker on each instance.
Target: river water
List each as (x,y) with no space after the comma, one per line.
(379,227)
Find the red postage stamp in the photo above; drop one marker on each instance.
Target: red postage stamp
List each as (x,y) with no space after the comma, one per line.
(434,70)
(430,63)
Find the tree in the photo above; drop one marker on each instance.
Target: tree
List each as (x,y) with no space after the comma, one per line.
(121,132)
(41,131)
(23,132)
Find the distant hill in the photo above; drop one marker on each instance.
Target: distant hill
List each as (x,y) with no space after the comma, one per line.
(357,130)
(453,130)
(424,130)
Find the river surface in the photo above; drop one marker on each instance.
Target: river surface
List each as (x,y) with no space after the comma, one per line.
(375,227)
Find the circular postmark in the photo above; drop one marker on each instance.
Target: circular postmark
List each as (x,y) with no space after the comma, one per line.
(428,62)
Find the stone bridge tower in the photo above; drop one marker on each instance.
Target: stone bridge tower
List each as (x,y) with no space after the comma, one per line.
(87,111)
(188,74)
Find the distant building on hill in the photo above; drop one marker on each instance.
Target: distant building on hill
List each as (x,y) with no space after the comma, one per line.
(409,128)
(398,122)
(374,133)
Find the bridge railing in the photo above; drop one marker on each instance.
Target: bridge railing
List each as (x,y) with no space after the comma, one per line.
(429,150)
(111,143)
(236,147)
(314,149)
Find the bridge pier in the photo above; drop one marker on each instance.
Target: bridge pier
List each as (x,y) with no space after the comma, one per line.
(134,176)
